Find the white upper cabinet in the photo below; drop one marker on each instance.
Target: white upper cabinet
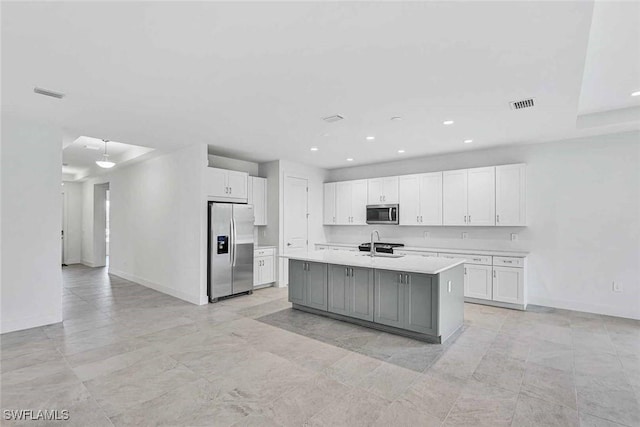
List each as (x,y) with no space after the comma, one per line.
(454,197)
(486,196)
(431,198)
(226,185)
(420,198)
(481,196)
(408,189)
(468,196)
(359,202)
(257,196)
(382,191)
(351,202)
(329,216)
(510,195)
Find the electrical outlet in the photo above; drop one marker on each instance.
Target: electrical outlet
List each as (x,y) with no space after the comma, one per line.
(465,235)
(426,235)
(514,237)
(617,287)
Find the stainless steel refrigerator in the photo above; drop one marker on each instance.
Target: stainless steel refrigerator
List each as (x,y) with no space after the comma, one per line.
(230,250)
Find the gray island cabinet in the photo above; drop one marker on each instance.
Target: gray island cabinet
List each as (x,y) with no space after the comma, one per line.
(424,305)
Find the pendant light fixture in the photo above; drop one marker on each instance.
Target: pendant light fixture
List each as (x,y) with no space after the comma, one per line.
(105,163)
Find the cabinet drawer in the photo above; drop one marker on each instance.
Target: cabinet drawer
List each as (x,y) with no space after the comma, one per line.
(469,258)
(508,261)
(264,252)
(416,253)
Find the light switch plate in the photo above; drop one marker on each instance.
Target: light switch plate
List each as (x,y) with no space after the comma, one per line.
(426,235)
(514,237)
(617,287)
(465,235)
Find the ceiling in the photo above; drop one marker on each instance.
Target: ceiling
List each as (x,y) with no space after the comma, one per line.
(79,157)
(254,80)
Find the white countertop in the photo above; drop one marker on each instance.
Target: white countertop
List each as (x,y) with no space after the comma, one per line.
(408,264)
(520,254)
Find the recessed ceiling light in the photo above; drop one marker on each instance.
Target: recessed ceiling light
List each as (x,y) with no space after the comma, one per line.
(468,141)
(349,159)
(396,118)
(636,93)
(314,148)
(400,151)
(371,138)
(447,122)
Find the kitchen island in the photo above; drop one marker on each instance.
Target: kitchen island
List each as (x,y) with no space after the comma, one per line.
(418,297)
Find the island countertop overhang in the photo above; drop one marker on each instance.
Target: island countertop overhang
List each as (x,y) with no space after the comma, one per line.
(407,264)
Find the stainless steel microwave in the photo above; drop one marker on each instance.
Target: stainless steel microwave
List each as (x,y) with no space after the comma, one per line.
(382,214)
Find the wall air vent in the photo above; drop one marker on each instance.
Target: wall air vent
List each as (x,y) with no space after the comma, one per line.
(50,93)
(333,119)
(525,103)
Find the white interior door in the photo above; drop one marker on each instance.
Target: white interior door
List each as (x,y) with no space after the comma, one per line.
(295,213)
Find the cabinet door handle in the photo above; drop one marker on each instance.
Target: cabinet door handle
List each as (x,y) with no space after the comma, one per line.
(346,271)
(400,277)
(352,272)
(421,219)
(417,218)
(465,219)
(384,198)
(497,218)
(334,219)
(469,219)
(407,279)
(494,274)
(465,271)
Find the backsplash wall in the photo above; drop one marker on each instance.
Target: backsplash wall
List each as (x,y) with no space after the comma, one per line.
(583,218)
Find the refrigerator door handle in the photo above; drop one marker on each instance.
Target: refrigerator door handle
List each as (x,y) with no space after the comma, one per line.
(233,242)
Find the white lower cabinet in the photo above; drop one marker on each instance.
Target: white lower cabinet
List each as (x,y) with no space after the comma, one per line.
(478,281)
(490,278)
(508,284)
(264,271)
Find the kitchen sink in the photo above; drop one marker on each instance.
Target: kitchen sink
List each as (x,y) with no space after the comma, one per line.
(381,255)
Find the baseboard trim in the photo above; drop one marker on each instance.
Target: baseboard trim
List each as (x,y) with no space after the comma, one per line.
(193,299)
(13,325)
(495,303)
(584,307)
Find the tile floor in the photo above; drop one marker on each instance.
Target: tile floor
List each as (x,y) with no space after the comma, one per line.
(127,355)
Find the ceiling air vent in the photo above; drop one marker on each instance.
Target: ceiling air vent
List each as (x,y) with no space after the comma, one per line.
(46,92)
(333,119)
(525,103)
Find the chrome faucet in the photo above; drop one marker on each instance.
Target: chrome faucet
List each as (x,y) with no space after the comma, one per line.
(372,249)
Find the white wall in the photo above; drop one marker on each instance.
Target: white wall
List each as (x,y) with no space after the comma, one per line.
(583,210)
(31,218)
(72,221)
(233,164)
(158,222)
